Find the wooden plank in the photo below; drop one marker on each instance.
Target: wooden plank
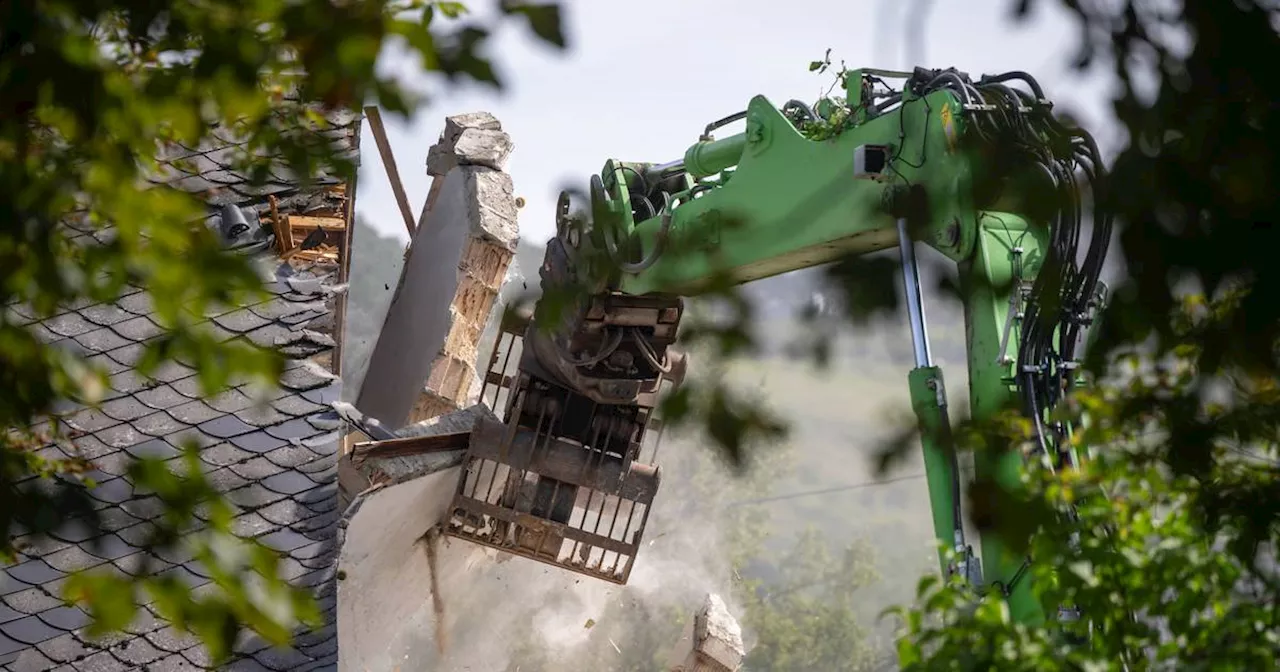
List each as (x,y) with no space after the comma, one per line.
(416,445)
(389,162)
(308,224)
(284,236)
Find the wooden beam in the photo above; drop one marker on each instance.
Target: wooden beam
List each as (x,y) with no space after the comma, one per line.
(308,224)
(389,162)
(284,236)
(416,445)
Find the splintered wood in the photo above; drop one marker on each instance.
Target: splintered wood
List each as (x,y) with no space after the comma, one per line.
(313,234)
(481,272)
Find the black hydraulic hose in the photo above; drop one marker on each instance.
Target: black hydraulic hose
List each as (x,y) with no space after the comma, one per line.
(959,85)
(800,106)
(892,100)
(736,116)
(1015,74)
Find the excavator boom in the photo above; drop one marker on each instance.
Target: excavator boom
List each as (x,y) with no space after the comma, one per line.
(980,170)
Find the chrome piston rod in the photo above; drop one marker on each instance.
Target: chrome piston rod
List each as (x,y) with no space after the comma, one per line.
(915,304)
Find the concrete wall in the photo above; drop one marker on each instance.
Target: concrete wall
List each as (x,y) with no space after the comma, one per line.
(455,267)
(386,612)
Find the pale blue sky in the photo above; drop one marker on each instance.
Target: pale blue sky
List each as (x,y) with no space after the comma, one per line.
(640,80)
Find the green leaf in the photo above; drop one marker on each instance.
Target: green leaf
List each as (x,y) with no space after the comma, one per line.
(110,600)
(544,20)
(451,10)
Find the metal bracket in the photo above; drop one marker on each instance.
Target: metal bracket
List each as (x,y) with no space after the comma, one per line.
(968,567)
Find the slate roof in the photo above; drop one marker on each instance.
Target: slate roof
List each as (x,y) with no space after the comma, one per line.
(277,463)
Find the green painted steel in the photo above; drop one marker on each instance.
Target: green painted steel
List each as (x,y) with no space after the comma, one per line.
(770,200)
(1009,249)
(929,402)
(770,217)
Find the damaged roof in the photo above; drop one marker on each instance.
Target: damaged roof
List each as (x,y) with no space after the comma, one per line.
(277,463)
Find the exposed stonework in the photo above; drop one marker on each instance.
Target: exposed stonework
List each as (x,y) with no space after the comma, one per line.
(464,244)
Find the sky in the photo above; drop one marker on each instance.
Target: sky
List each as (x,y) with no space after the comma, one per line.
(639,81)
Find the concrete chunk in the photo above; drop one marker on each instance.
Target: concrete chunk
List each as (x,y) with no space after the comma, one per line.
(479,147)
(492,207)
(456,124)
(712,643)
(440,160)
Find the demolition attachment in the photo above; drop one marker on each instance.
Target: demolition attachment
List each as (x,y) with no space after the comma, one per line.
(568,478)
(979,170)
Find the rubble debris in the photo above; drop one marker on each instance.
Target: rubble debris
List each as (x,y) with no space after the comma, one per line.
(423,448)
(310,231)
(712,642)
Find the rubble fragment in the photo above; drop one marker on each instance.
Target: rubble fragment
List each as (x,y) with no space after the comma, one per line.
(712,642)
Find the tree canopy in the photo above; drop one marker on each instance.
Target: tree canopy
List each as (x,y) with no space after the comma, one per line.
(1170,560)
(91,94)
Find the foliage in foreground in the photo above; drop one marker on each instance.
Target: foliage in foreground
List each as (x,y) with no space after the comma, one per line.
(88,91)
(1163,579)
(1177,513)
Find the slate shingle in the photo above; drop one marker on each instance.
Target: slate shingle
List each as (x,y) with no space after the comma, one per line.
(31,660)
(105,314)
(225,427)
(65,618)
(158,449)
(258,458)
(258,442)
(29,630)
(125,409)
(31,601)
(69,325)
(139,328)
(193,412)
(64,648)
(161,397)
(224,454)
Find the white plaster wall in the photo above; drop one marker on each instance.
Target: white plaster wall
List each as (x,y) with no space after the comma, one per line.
(385,594)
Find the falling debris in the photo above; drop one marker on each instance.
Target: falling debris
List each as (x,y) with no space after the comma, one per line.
(712,642)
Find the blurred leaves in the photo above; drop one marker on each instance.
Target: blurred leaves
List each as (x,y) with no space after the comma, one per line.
(544,20)
(92,92)
(247,589)
(1170,568)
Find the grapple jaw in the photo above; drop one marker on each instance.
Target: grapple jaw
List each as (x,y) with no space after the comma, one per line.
(553,500)
(561,478)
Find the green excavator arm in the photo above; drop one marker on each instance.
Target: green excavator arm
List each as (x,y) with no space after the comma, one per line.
(978,170)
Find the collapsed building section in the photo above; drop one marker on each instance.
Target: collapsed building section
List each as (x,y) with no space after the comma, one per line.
(396,570)
(423,540)
(712,642)
(456,265)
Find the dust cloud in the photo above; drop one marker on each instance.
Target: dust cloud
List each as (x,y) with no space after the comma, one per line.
(508,613)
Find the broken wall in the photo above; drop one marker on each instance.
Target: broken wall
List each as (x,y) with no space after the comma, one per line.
(456,265)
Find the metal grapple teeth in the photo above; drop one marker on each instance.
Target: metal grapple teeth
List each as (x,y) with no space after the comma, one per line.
(553,500)
(559,480)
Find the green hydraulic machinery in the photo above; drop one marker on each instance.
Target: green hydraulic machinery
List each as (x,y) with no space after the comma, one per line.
(980,170)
